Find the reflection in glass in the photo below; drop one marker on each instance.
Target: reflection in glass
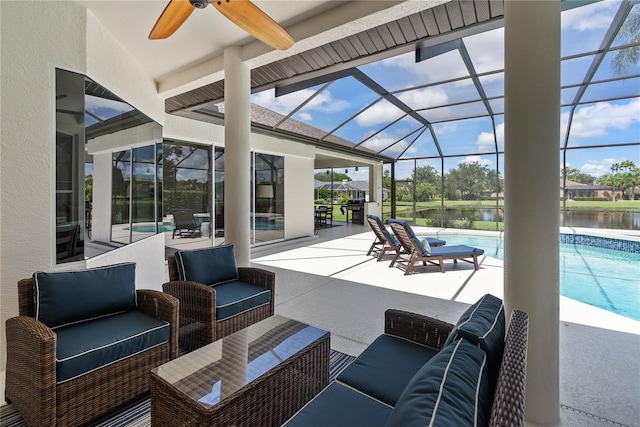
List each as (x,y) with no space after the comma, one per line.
(69,149)
(120,196)
(96,183)
(218,192)
(268,204)
(143,192)
(187,170)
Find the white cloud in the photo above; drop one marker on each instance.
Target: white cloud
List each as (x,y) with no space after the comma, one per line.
(443,67)
(380,112)
(284,104)
(598,167)
(305,117)
(485,140)
(486,50)
(384,140)
(595,16)
(424,98)
(594,120)
(442,128)
(477,159)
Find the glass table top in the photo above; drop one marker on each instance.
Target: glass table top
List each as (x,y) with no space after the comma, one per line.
(211,373)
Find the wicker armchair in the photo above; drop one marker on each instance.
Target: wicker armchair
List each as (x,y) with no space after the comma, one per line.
(32,384)
(200,320)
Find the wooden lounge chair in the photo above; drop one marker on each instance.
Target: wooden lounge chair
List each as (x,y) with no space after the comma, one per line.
(415,250)
(387,242)
(185,223)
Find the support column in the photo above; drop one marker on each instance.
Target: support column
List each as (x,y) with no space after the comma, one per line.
(237,154)
(532,200)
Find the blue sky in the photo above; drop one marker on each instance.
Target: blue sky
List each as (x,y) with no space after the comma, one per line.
(601,121)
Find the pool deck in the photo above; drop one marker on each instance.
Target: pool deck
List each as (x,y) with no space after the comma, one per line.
(329,281)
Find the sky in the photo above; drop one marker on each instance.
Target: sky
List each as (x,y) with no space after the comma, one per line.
(599,121)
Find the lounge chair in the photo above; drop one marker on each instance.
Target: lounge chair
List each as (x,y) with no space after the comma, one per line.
(415,250)
(185,223)
(387,242)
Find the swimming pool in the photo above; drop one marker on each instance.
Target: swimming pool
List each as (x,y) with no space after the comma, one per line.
(590,270)
(150,228)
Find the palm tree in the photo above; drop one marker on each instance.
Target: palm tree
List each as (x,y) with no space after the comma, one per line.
(615,168)
(630,31)
(634,176)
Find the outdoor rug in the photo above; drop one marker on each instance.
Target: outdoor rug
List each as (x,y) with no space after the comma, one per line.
(137,413)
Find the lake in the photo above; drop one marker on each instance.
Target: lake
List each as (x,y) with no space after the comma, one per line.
(587,218)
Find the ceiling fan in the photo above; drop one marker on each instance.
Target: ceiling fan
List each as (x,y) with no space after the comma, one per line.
(243,13)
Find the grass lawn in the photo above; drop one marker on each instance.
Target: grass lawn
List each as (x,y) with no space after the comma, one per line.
(619,205)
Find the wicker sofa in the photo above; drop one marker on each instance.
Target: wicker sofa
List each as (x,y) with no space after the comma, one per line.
(216,297)
(423,371)
(84,343)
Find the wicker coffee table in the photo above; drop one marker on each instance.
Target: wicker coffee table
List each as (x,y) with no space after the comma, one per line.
(259,376)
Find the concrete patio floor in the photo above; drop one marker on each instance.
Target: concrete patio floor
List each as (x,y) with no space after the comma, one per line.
(329,282)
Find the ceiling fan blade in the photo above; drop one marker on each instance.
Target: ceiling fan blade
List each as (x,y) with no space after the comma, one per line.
(173,16)
(253,20)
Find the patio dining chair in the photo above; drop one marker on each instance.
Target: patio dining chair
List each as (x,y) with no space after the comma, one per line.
(185,223)
(386,242)
(419,250)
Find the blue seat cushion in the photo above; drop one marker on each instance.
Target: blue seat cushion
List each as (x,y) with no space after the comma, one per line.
(208,266)
(233,298)
(455,250)
(90,345)
(450,390)
(483,324)
(340,406)
(383,369)
(65,297)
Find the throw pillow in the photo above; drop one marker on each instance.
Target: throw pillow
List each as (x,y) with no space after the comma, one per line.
(210,266)
(426,247)
(65,297)
(483,324)
(451,389)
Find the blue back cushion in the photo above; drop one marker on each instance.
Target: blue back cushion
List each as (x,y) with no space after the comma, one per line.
(66,297)
(451,389)
(407,226)
(483,324)
(209,266)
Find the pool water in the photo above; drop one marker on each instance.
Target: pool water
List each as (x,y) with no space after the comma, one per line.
(605,278)
(150,228)
(168,227)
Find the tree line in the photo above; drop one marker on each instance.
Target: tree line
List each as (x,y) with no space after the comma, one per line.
(469,181)
(624,176)
(474,181)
